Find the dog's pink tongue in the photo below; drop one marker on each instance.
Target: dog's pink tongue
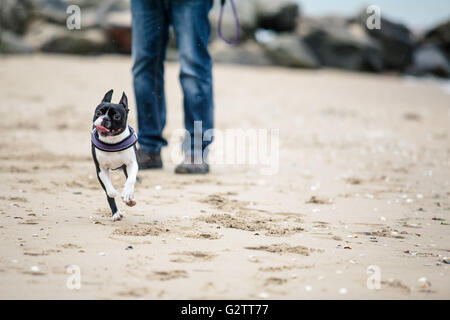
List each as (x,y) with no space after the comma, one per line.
(102,128)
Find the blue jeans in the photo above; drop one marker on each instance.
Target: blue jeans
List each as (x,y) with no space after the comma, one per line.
(150,34)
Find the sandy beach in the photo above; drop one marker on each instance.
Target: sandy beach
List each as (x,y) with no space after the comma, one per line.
(363,180)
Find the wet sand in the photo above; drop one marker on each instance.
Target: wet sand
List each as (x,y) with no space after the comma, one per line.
(363,180)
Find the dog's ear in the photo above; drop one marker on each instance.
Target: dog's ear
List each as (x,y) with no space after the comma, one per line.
(124,101)
(108,96)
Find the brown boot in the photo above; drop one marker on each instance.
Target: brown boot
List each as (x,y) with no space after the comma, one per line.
(189,167)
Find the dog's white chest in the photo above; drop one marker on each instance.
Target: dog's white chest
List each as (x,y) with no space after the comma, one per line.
(114,160)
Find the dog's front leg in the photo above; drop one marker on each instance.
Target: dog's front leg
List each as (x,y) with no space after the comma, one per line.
(128,189)
(109,188)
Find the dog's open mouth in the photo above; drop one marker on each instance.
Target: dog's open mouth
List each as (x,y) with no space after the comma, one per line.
(107,132)
(102,129)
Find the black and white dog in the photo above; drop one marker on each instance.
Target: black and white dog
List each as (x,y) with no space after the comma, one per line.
(113,147)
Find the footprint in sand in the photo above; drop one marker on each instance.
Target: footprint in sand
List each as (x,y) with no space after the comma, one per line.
(354,181)
(167,275)
(204,235)
(218,201)
(283,248)
(388,232)
(70,246)
(193,256)
(30,221)
(134,292)
(253,222)
(15,199)
(141,230)
(319,200)
(275,281)
(396,284)
(285,267)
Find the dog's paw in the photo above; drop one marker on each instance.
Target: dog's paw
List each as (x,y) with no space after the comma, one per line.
(112,193)
(131,203)
(117,216)
(128,197)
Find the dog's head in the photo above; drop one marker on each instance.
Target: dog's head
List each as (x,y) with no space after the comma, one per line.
(110,119)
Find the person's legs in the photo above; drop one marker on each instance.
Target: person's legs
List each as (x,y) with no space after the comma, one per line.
(192,29)
(150,24)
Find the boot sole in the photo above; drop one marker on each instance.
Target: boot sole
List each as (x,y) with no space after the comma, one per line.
(152,166)
(185,171)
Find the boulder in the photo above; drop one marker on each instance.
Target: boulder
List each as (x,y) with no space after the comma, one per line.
(430,59)
(396,40)
(12,44)
(14,15)
(340,44)
(47,37)
(277,15)
(93,13)
(51,10)
(439,36)
(112,5)
(117,26)
(249,53)
(86,42)
(287,49)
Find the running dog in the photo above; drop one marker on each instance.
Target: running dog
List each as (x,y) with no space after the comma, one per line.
(114,147)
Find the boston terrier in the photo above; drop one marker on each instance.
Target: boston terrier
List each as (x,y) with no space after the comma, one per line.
(114,147)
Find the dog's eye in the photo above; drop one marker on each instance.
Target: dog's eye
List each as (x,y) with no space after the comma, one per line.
(116,117)
(98,113)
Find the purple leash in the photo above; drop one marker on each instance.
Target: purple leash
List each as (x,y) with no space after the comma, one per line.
(236,21)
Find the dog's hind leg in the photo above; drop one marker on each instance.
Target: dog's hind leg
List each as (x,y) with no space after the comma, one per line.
(124,168)
(115,212)
(103,175)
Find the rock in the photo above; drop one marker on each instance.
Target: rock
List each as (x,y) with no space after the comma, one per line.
(93,13)
(120,39)
(47,37)
(119,18)
(277,15)
(340,44)
(429,59)
(118,30)
(14,15)
(51,10)
(113,5)
(11,43)
(246,10)
(86,42)
(439,36)
(247,53)
(287,50)
(396,40)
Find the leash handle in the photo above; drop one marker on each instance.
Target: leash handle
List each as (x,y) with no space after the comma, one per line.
(236,21)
